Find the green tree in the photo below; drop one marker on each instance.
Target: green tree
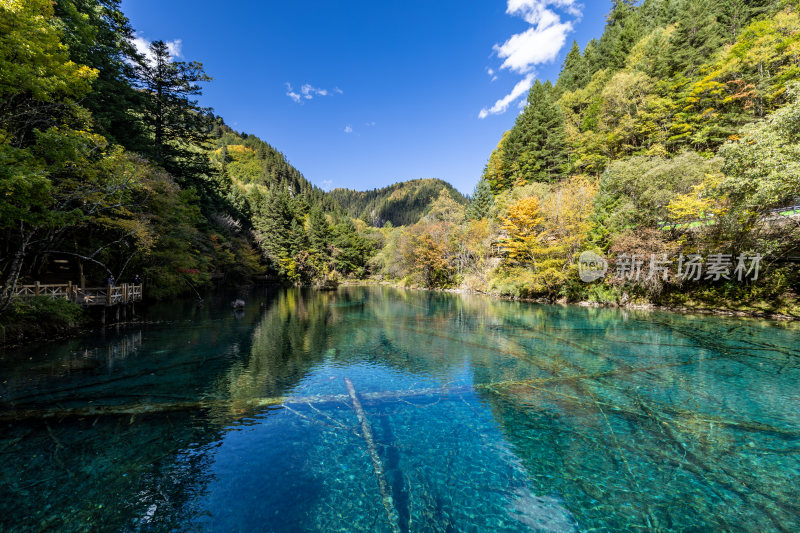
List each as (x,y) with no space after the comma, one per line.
(763,165)
(351,251)
(54,174)
(535,149)
(734,15)
(482,201)
(495,172)
(319,232)
(98,34)
(575,72)
(275,224)
(40,84)
(179,127)
(445,209)
(635,193)
(697,37)
(660,13)
(623,30)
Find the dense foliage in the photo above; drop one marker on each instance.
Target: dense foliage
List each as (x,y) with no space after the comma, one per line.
(401,204)
(110,165)
(675,132)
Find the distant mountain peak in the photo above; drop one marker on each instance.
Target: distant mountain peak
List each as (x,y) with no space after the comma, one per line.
(402,203)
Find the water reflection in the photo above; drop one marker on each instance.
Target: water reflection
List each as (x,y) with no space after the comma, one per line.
(485,415)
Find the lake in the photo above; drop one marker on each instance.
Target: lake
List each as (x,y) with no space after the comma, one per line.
(377,409)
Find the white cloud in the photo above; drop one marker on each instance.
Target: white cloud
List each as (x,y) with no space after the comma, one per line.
(142,45)
(535,46)
(539,44)
(370,124)
(291,94)
(531,9)
(307,92)
(522,87)
(175,48)
(348,129)
(327,185)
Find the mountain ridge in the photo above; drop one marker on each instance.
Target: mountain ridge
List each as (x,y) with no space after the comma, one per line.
(401,203)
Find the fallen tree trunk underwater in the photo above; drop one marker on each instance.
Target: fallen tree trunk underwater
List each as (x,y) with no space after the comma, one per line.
(377,466)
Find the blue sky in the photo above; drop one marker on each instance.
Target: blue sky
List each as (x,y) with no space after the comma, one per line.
(364,94)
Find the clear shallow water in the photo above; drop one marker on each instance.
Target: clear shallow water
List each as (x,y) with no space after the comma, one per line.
(484,416)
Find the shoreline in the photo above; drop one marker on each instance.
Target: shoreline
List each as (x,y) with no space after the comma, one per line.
(685,310)
(63,333)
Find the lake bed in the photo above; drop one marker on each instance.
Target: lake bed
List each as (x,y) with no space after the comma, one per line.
(378,409)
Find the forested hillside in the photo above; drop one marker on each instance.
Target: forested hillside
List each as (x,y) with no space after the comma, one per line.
(110,166)
(401,204)
(676,134)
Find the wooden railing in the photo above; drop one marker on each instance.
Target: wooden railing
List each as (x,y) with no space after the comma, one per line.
(110,295)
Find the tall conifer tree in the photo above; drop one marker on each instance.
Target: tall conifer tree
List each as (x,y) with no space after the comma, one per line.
(535,149)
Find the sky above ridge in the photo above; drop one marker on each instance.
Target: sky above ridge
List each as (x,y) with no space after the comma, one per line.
(362,94)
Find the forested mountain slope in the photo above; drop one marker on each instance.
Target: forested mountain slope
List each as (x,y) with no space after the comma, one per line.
(674,135)
(402,203)
(111,166)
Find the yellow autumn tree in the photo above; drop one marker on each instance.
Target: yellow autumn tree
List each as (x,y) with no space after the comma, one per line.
(522,225)
(543,236)
(703,202)
(567,210)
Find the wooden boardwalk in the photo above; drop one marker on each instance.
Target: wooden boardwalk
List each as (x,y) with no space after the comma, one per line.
(87,296)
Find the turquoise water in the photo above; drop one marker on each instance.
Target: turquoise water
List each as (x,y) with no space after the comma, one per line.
(483,416)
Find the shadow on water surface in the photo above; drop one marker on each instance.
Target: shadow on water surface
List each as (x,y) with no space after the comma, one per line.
(487,415)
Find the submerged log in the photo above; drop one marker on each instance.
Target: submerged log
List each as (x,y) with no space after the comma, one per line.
(10,414)
(232,404)
(366,432)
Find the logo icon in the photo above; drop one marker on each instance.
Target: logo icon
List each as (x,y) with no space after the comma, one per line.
(591,267)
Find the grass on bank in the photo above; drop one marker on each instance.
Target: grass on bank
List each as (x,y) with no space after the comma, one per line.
(39,317)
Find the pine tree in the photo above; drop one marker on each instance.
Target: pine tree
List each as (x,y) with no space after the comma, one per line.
(351,251)
(175,120)
(575,72)
(319,232)
(275,222)
(660,13)
(535,149)
(734,15)
(697,37)
(495,172)
(623,30)
(482,201)
(593,57)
